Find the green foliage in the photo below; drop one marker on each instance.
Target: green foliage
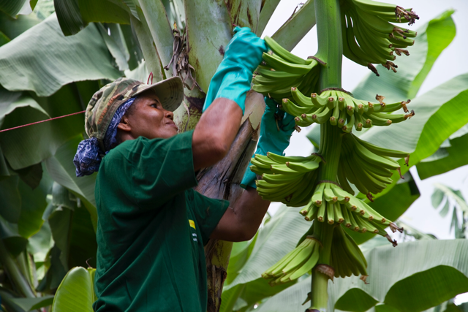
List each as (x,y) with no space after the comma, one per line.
(75,58)
(451,199)
(440,266)
(76,292)
(453,156)
(48,216)
(75,15)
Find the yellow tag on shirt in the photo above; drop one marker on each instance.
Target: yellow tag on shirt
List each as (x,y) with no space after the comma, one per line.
(192,224)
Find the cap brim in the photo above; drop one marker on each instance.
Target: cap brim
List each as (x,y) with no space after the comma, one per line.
(169,91)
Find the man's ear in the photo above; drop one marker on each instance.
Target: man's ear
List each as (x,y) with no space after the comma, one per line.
(124,124)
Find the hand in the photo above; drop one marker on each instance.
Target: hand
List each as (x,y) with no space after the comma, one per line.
(276,129)
(234,75)
(245,48)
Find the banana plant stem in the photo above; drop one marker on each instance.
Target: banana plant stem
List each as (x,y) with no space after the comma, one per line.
(330,149)
(330,45)
(319,298)
(319,291)
(330,50)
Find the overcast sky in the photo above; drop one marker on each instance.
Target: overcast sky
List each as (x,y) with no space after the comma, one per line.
(452,62)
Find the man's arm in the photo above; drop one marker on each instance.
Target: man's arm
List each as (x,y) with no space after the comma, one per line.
(225,100)
(241,222)
(215,132)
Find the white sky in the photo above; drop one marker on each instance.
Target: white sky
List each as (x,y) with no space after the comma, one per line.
(452,62)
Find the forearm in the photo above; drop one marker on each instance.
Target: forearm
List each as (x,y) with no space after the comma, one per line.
(215,132)
(241,221)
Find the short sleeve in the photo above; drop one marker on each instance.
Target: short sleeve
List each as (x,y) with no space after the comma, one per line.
(156,169)
(207,211)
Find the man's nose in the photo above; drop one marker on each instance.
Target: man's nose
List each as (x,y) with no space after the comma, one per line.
(170,115)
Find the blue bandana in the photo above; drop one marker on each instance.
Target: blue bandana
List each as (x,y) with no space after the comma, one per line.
(89,155)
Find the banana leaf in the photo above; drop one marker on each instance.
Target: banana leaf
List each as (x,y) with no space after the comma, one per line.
(245,286)
(12,7)
(431,40)
(395,278)
(27,304)
(73,234)
(62,170)
(33,204)
(13,27)
(160,29)
(29,63)
(10,199)
(14,242)
(152,62)
(24,147)
(75,15)
(76,292)
(456,157)
(55,271)
(114,45)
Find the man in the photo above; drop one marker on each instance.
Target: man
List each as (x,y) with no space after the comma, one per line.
(152,225)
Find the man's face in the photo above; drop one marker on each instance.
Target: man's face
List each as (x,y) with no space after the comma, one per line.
(149,119)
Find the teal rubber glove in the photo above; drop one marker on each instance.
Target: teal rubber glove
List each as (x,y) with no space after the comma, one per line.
(271,138)
(234,75)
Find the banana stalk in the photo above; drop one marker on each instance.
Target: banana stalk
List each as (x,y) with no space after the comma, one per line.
(327,13)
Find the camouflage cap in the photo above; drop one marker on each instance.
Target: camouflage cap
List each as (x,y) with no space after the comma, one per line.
(105,102)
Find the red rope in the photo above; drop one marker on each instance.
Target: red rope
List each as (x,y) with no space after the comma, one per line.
(37,122)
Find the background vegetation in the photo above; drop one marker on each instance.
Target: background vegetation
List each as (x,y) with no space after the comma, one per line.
(53,59)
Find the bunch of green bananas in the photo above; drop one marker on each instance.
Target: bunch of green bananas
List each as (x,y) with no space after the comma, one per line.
(287,179)
(368,37)
(296,263)
(342,110)
(369,167)
(330,203)
(282,70)
(346,257)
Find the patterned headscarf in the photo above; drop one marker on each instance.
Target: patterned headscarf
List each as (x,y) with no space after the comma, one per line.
(89,154)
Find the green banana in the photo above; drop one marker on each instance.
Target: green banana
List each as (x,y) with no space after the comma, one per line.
(300,98)
(274,74)
(295,110)
(317,198)
(285,54)
(338,213)
(321,212)
(379,150)
(282,65)
(304,166)
(311,262)
(319,101)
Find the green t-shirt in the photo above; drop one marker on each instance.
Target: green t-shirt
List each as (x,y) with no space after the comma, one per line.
(152,228)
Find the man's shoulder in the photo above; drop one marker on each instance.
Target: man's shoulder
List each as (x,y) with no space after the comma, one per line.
(128,147)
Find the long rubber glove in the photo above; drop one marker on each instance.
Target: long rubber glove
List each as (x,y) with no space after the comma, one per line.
(271,138)
(234,75)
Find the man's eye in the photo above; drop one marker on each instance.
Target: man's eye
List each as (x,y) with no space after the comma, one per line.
(154,105)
